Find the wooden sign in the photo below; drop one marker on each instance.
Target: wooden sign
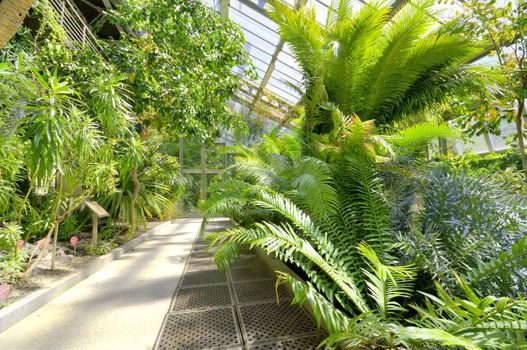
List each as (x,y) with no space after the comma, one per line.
(96,209)
(98,212)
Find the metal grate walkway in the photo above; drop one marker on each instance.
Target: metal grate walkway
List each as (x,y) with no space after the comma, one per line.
(237,309)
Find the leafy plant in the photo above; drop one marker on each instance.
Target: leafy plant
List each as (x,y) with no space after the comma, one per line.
(68,227)
(178,57)
(101,248)
(10,233)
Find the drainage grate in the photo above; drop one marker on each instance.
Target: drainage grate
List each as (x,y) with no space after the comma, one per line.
(263,290)
(199,330)
(251,272)
(307,343)
(265,322)
(247,260)
(202,297)
(201,264)
(201,254)
(200,246)
(194,278)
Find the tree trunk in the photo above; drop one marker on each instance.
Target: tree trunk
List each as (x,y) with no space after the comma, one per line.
(135,194)
(519,131)
(12,13)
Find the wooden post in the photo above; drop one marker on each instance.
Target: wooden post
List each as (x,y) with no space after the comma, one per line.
(181,151)
(203,172)
(95,226)
(97,213)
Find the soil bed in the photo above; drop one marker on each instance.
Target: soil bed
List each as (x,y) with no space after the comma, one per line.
(43,276)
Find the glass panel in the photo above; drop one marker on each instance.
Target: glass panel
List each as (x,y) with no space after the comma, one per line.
(500,142)
(285,85)
(477,144)
(279,76)
(258,17)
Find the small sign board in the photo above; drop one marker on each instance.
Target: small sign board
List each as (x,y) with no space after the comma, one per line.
(96,209)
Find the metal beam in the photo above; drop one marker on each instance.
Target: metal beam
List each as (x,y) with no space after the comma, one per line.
(253,6)
(397,4)
(199,171)
(224,8)
(92,5)
(271,66)
(109,5)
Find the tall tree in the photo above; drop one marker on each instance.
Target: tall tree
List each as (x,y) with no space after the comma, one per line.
(179,57)
(505,26)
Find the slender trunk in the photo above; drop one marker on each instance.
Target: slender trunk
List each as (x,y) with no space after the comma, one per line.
(135,194)
(58,185)
(519,131)
(57,220)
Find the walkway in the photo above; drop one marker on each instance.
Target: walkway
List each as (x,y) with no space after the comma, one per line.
(119,307)
(234,310)
(125,304)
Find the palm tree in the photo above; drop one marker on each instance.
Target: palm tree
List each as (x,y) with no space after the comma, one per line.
(374,63)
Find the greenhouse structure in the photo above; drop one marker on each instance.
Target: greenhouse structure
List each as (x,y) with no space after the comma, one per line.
(263,174)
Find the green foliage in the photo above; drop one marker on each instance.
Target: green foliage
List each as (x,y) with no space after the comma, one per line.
(309,213)
(108,231)
(374,65)
(178,56)
(161,184)
(68,227)
(504,25)
(101,248)
(10,269)
(10,233)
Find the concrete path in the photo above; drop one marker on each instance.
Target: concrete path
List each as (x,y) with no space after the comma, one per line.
(121,306)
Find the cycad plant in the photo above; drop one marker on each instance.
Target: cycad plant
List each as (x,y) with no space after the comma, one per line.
(376,63)
(335,222)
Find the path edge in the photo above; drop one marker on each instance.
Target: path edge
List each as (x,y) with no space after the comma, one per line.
(22,308)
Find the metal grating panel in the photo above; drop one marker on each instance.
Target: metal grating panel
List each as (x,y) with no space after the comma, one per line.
(199,330)
(264,290)
(202,297)
(251,272)
(194,278)
(306,343)
(247,260)
(201,254)
(201,264)
(201,247)
(265,322)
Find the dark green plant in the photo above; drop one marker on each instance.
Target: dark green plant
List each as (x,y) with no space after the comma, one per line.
(461,222)
(68,227)
(101,248)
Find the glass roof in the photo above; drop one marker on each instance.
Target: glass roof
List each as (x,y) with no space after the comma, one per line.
(277,71)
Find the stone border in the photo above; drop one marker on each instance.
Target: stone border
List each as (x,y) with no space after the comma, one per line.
(35,300)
